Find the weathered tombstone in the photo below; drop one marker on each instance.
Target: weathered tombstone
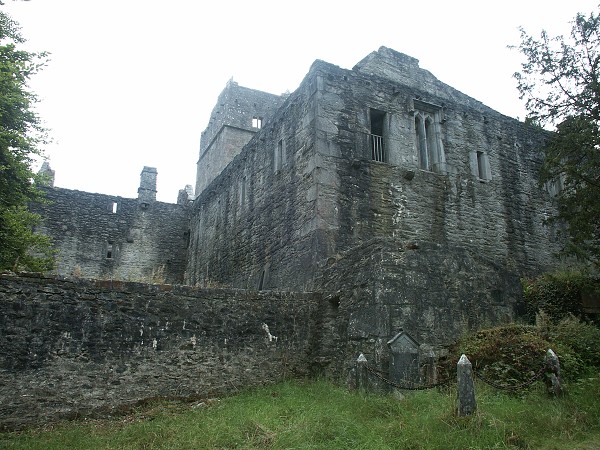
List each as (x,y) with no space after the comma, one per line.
(362,377)
(466,387)
(404,359)
(553,381)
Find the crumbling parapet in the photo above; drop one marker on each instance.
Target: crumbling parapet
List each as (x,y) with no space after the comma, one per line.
(147,189)
(47,175)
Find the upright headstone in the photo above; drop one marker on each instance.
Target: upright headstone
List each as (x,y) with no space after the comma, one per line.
(466,387)
(362,377)
(404,358)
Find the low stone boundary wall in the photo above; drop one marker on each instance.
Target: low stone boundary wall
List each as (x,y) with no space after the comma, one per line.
(72,347)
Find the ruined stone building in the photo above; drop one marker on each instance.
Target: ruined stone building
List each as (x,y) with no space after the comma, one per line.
(412,205)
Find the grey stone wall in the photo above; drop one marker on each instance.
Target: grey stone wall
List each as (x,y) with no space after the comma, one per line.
(501,217)
(230,127)
(254,225)
(440,293)
(72,348)
(110,237)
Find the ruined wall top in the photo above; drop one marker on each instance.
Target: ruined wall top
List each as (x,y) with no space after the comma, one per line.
(404,69)
(238,106)
(47,174)
(147,189)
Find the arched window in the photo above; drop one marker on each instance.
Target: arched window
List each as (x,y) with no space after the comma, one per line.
(427,136)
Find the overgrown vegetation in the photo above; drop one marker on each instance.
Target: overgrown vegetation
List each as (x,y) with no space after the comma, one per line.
(20,137)
(319,415)
(512,354)
(559,294)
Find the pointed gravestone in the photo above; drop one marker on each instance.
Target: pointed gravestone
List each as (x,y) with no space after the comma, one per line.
(466,387)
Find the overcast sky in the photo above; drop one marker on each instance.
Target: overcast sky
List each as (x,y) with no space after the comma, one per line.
(131,83)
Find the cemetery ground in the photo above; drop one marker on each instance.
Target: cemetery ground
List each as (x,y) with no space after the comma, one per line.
(318,414)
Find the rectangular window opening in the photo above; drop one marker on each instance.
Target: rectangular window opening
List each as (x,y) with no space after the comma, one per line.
(112,207)
(257,122)
(109,251)
(376,136)
(483,166)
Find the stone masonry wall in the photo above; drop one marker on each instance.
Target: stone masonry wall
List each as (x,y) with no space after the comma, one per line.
(501,217)
(253,227)
(145,241)
(71,347)
(435,293)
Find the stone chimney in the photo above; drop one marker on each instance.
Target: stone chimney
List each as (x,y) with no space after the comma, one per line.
(185,195)
(147,189)
(48,175)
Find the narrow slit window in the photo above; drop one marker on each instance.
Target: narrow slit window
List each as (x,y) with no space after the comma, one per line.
(112,207)
(109,251)
(483,166)
(278,157)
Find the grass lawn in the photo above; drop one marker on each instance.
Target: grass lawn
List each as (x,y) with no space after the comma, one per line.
(320,415)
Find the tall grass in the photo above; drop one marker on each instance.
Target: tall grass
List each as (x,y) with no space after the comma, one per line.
(320,415)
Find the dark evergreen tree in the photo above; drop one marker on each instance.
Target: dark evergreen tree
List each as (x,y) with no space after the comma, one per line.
(560,82)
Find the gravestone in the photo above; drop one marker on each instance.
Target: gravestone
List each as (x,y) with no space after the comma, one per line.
(404,359)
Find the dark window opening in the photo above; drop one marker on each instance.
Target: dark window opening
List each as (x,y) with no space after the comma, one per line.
(483,166)
(480,165)
(376,137)
(262,280)
(109,251)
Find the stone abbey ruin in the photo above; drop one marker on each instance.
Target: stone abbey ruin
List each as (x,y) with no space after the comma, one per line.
(368,205)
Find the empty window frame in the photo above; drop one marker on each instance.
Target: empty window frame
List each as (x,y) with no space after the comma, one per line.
(430,150)
(481,166)
(376,140)
(112,207)
(109,250)
(257,122)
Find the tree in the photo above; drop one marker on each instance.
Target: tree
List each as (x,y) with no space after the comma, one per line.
(21,134)
(560,81)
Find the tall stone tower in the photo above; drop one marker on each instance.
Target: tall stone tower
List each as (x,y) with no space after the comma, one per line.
(239,114)
(147,189)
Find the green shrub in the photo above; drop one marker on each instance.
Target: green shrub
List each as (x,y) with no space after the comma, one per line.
(583,338)
(506,354)
(512,354)
(558,294)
